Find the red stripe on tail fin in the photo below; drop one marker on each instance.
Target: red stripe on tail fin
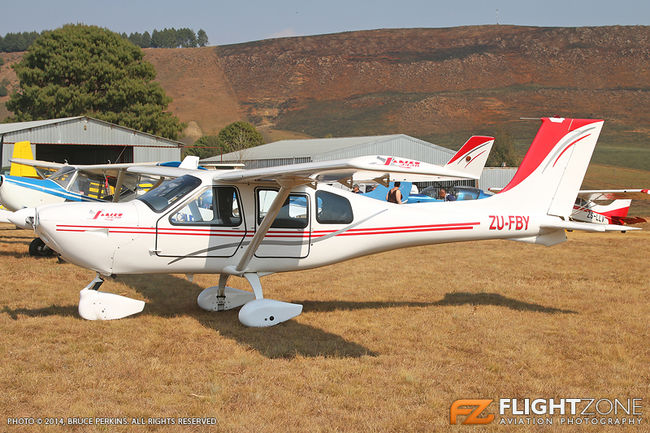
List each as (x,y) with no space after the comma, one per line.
(471,144)
(551,131)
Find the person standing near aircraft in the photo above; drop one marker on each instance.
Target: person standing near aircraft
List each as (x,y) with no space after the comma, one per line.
(394,195)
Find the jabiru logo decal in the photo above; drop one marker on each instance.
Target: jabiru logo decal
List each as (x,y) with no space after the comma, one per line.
(106,216)
(398,162)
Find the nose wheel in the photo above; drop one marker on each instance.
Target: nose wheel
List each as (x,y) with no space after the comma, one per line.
(37,248)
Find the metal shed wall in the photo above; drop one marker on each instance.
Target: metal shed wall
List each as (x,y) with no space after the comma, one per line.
(149,154)
(327,149)
(496,177)
(88,131)
(401,145)
(275,162)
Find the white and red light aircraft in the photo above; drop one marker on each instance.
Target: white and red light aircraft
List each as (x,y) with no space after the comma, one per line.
(608,206)
(207,222)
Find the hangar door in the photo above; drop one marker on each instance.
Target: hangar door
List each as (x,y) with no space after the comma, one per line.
(84,154)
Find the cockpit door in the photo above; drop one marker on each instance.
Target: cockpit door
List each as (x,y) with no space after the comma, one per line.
(211,224)
(290,233)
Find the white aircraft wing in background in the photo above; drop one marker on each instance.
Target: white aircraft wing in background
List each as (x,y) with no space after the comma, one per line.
(378,168)
(614,194)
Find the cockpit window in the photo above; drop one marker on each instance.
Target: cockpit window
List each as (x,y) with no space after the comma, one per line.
(63,176)
(430,191)
(169,192)
(332,208)
(294,213)
(215,206)
(466,193)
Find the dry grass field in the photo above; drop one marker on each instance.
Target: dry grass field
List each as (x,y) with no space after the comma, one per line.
(386,343)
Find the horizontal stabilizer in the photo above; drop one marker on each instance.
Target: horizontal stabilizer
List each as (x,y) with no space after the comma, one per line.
(552,223)
(614,194)
(547,239)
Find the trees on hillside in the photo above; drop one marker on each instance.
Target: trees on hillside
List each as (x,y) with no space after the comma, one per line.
(13,42)
(238,136)
(202,38)
(205,147)
(503,151)
(167,38)
(86,70)
(232,138)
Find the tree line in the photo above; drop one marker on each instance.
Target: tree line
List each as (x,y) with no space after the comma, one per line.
(166,38)
(169,38)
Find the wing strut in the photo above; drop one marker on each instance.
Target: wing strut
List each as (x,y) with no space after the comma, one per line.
(118,186)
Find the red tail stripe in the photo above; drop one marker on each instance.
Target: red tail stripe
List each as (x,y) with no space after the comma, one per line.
(471,144)
(549,134)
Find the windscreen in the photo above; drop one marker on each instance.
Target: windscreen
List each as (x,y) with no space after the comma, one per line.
(169,192)
(63,176)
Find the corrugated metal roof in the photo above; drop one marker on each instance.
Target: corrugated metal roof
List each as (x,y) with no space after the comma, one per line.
(86,131)
(318,149)
(80,130)
(21,126)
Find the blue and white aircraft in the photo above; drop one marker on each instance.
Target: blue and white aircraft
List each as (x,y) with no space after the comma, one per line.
(73,183)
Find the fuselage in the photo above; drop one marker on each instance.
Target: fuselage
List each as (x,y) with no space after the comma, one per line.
(208,228)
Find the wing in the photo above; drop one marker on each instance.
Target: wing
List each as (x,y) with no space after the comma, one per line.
(112,170)
(614,194)
(361,168)
(98,169)
(39,164)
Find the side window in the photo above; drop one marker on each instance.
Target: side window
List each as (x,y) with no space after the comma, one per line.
(293,215)
(332,208)
(215,206)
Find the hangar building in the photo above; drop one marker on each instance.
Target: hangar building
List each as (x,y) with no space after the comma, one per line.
(287,152)
(84,140)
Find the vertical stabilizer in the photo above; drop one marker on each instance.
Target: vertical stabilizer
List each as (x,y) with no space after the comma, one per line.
(552,171)
(472,156)
(23,149)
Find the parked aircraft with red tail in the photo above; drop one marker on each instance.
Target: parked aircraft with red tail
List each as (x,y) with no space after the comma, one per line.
(252,223)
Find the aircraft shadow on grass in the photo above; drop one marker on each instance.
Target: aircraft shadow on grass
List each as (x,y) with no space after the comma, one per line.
(9,239)
(450,299)
(169,296)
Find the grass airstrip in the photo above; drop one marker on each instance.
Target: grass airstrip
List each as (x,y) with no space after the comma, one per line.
(386,343)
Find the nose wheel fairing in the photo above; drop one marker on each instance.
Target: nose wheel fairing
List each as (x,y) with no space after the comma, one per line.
(96,305)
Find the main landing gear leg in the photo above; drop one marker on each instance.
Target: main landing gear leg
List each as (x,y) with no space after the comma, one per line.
(96,305)
(222,297)
(265,312)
